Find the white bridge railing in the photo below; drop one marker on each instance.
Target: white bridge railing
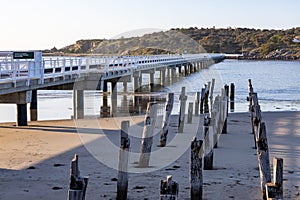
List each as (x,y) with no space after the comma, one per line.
(13,70)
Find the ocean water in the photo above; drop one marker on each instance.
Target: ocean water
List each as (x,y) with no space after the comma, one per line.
(276,82)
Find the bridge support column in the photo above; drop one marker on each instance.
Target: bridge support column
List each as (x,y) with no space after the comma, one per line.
(113,99)
(22,114)
(137,81)
(195,67)
(125,86)
(104,109)
(168,72)
(124,105)
(201,65)
(78,104)
(163,77)
(191,70)
(185,70)
(180,70)
(20,99)
(151,83)
(140,81)
(33,106)
(173,75)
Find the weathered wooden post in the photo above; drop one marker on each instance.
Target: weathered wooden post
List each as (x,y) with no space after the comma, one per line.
(190,113)
(182,99)
(122,185)
(256,116)
(224,129)
(275,190)
(211,94)
(197,102)
(278,175)
(206,95)
(249,98)
(263,158)
(216,121)
(168,189)
(208,145)
(78,184)
(147,138)
(202,100)
(166,119)
(196,170)
(231,96)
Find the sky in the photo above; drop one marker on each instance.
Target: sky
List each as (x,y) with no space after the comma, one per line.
(44,24)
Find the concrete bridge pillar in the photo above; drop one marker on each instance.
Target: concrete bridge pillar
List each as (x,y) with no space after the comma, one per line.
(21,99)
(191,70)
(136,81)
(151,83)
(185,70)
(168,72)
(125,86)
(113,99)
(201,65)
(22,114)
(78,104)
(180,69)
(33,106)
(173,74)
(163,77)
(195,67)
(104,109)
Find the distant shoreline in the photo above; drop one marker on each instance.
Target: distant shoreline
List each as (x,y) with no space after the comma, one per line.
(280,58)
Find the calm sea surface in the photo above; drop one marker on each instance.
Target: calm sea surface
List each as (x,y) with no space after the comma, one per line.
(276,82)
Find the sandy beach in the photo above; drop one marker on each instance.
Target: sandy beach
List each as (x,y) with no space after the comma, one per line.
(35,160)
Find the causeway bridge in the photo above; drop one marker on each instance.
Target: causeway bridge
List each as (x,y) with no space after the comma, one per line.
(23,73)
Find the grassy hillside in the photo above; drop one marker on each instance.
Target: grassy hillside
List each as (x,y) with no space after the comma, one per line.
(253,43)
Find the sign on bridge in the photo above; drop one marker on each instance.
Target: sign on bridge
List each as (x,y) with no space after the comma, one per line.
(23,55)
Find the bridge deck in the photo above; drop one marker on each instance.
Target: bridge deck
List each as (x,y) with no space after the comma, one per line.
(21,75)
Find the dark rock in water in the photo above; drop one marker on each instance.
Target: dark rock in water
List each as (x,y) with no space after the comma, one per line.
(114,179)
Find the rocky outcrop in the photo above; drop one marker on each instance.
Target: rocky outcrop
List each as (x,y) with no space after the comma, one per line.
(253,43)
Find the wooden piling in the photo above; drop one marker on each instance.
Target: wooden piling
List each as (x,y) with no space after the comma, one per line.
(224,129)
(182,99)
(33,106)
(190,113)
(122,185)
(196,179)
(166,119)
(208,144)
(249,98)
(278,175)
(147,138)
(263,158)
(197,102)
(168,189)
(231,97)
(206,95)
(202,100)
(215,120)
(78,184)
(274,190)
(211,92)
